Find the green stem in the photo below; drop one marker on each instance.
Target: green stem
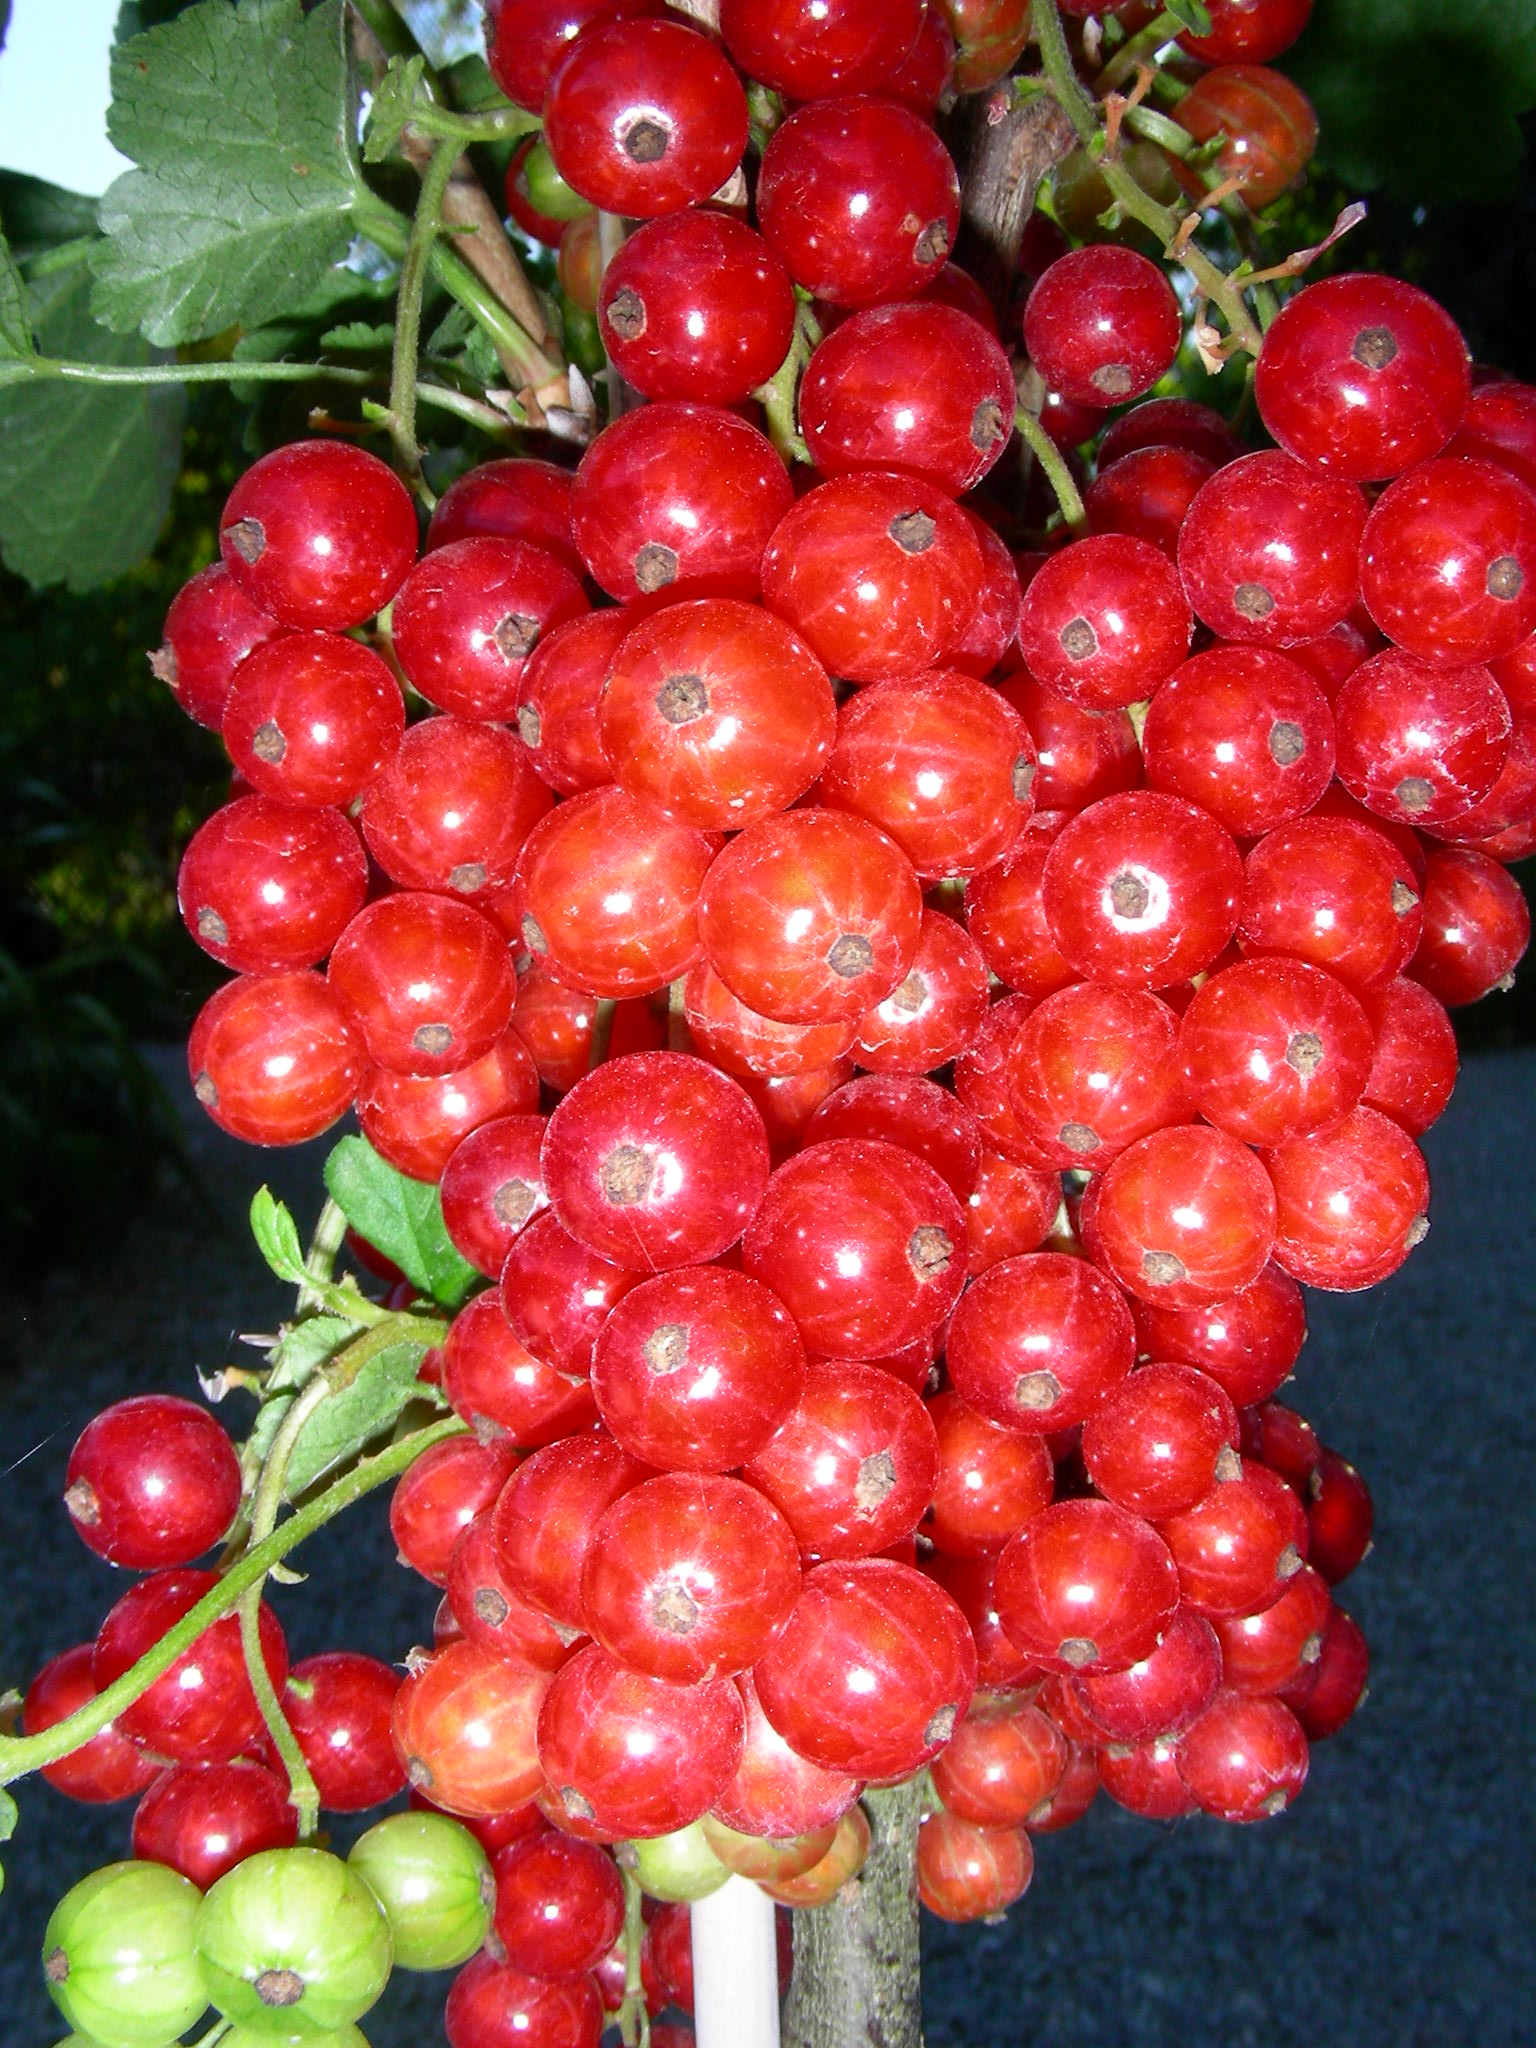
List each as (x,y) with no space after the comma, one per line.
(24,1753)
(634,2020)
(330,1233)
(1138,50)
(500,124)
(1050,459)
(234,372)
(1162,221)
(489,419)
(425,229)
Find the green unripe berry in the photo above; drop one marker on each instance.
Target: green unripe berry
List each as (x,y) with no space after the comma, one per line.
(120,1957)
(293,1943)
(679,1867)
(548,192)
(248,2037)
(434,1882)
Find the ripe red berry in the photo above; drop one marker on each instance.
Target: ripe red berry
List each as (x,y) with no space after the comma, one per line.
(809,51)
(1352,1201)
(1105,621)
(1102,324)
(152,1481)
(1093,1069)
(107,1767)
(969,1873)
(1264,1652)
(1146,493)
(1245,732)
(202,1710)
(1159,1441)
(268,887)
(515,498)
(931,1015)
(274,1058)
(1244,1759)
(313,718)
(1361,376)
(209,630)
(556,1293)
(203,1819)
(491,1186)
(1448,561)
(415,1121)
(1273,1048)
(1270,550)
(1268,126)
(1477,926)
(473,610)
(1037,1342)
(491,2005)
(442,1493)
(1086,1584)
(1250,31)
(319,534)
(429,982)
(463,1728)
(1247,1342)
(559,1905)
(1338,1678)
(1163,1692)
(1334,892)
(1186,1216)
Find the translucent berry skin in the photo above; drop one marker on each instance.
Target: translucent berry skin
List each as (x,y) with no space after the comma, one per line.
(696,306)
(1142,890)
(526,39)
(491,2005)
(416,1121)
(559,1905)
(1143,1777)
(339,1706)
(919,387)
(1261,1653)
(860,200)
(556,1293)
(319,534)
(1335,892)
(1105,621)
(435,1501)
(930,1016)
(429,982)
(981,1079)
(1037,1342)
(1477,926)
(1269,124)
(998,1767)
(872,1672)
(202,1710)
(655,1161)
(1338,1684)
(1086,1585)
(1091,1070)
(941,763)
(852,1465)
(1414,1068)
(267,888)
(810,916)
(1102,324)
(514,498)
(1154,1445)
(1499,425)
(1248,31)
(1362,376)
(489,1610)
(695,1370)
(464,1726)
(1169,423)
(1270,550)
(905,1109)
(1274,1048)
(1244,1759)
(880,574)
(968,1873)
(740,1041)
(809,52)
(1420,744)
(1352,1202)
(1012,1210)
(491,1187)
(203,1819)
(1240,1546)
(774,1793)
(717,712)
(274,1058)
(994,625)
(644,117)
(1247,1342)
(152,1481)
(497,1384)
(1162,1693)
(689,1577)
(1146,492)
(1448,562)
(1243,731)
(634,1755)
(107,1767)
(990,1481)
(313,718)
(862,1242)
(546,1513)
(1339,1516)
(1005,915)
(557,700)
(607,890)
(452,810)
(679,497)
(927,72)
(469,615)
(209,630)
(1185,1216)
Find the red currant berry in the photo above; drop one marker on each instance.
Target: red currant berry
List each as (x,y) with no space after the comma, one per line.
(1448,562)
(491,1611)
(932,1014)
(1005,916)
(1244,1759)
(107,1767)
(1105,621)
(1499,425)
(1477,926)
(1248,31)
(556,1293)
(313,718)
(1415,1064)
(491,2005)
(268,887)
(1248,1342)
(497,1384)
(860,200)
(1093,1069)
(557,700)
(319,534)
(441,1494)
(969,1873)
(1339,1517)
(1158,1442)
(1352,1201)
(1420,744)
(1169,423)
(491,1186)
(775,1793)
(464,1726)
(1339,1676)
(202,1710)
(1361,376)
(152,1481)
(1274,1048)
(515,498)
(990,1481)
(1268,128)
(544,1519)
(471,613)
(1186,1216)
(209,630)
(1262,1653)
(428,980)
(1243,731)
(1037,1342)
(809,51)
(696,306)
(1238,1548)
(1143,1777)
(1102,325)
(203,1819)
(1270,550)
(1146,493)
(1086,1584)
(559,1905)
(1012,1209)
(1336,893)
(1163,1692)
(416,1121)
(274,1059)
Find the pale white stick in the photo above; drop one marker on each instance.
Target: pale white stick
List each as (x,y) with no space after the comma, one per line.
(735,1968)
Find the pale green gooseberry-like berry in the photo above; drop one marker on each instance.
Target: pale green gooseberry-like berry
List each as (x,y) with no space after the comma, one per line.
(434,1882)
(120,1956)
(678,1868)
(293,1943)
(250,2037)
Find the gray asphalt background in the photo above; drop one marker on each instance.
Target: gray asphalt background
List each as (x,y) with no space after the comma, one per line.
(1392,1909)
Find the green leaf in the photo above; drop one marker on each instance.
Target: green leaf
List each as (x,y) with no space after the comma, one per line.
(305,1346)
(345,1424)
(86,471)
(1421,95)
(395,99)
(401,1218)
(15,318)
(277,1237)
(8,1815)
(240,119)
(38,216)
(1194,15)
(360,335)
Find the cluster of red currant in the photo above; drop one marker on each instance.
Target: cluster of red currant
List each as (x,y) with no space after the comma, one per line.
(824,1424)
